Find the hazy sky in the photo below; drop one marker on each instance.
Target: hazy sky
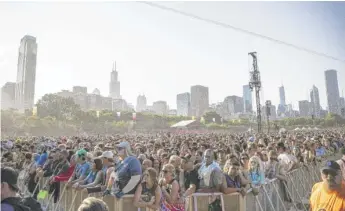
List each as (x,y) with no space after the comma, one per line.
(161,54)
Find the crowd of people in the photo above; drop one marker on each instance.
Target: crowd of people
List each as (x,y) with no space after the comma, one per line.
(163,169)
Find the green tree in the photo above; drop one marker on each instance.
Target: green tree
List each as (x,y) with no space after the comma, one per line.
(210,116)
(55,106)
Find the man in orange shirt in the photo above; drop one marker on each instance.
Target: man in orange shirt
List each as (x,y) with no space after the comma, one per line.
(329,195)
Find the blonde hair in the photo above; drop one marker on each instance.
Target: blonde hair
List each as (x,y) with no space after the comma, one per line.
(93,204)
(171,168)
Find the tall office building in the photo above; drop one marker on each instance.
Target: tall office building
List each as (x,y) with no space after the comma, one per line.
(141,103)
(199,100)
(26,73)
(233,105)
(160,107)
(282,102)
(183,104)
(8,95)
(304,108)
(332,91)
(315,102)
(247,99)
(114,85)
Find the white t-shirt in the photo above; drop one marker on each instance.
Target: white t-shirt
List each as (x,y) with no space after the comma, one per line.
(341,163)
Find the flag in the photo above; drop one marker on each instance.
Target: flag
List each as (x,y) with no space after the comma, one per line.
(34,111)
(118,114)
(214,119)
(97,113)
(134,115)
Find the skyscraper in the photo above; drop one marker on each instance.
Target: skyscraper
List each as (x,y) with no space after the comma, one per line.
(183,104)
(114,85)
(282,102)
(26,73)
(315,101)
(7,95)
(233,105)
(160,107)
(141,103)
(247,99)
(199,100)
(332,91)
(304,108)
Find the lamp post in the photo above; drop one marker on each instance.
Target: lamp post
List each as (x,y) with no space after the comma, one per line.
(268,114)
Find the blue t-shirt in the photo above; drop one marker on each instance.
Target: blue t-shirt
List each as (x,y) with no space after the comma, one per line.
(6,207)
(91,177)
(42,159)
(129,167)
(82,169)
(320,151)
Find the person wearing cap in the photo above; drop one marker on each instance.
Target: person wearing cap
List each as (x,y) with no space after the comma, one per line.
(127,173)
(9,189)
(341,162)
(82,169)
(107,158)
(330,193)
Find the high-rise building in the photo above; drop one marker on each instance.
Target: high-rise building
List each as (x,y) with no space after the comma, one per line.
(26,73)
(80,89)
(183,104)
(141,103)
(114,85)
(341,102)
(247,99)
(315,102)
(8,95)
(304,108)
(233,105)
(282,102)
(160,107)
(273,111)
(199,100)
(332,91)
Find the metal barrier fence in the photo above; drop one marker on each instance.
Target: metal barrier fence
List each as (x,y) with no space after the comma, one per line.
(273,196)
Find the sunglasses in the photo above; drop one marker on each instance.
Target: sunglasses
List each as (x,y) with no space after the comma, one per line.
(165,171)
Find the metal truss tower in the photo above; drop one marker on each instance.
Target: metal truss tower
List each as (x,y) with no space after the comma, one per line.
(255,84)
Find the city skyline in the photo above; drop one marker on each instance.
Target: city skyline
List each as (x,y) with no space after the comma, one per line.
(60,53)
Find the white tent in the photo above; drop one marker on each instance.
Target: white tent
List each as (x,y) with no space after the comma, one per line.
(309,128)
(303,128)
(282,130)
(297,128)
(315,128)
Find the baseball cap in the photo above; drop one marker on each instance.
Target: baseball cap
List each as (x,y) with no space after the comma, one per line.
(81,152)
(10,176)
(331,165)
(107,154)
(124,144)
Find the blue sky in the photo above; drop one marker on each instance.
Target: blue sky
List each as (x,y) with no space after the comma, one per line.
(161,54)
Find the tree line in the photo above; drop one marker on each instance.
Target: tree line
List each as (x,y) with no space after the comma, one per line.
(62,115)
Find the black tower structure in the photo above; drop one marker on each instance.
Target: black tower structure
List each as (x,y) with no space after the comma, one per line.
(255,84)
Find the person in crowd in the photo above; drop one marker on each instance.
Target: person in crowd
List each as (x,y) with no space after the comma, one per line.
(330,193)
(256,171)
(273,168)
(94,178)
(147,163)
(170,187)
(148,194)
(233,181)
(93,204)
(191,179)
(108,167)
(284,158)
(82,168)
(341,162)
(210,174)
(9,189)
(176,162)
(127,173)
(65,176)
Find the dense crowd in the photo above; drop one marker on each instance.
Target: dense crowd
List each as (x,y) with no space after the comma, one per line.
(160,169)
